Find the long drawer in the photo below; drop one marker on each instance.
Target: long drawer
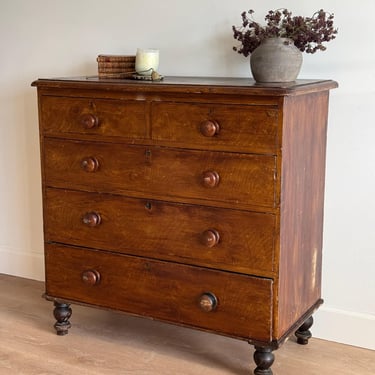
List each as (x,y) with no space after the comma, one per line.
(237,180)
(227,239)
(243,128)
(237,305)
(94,117)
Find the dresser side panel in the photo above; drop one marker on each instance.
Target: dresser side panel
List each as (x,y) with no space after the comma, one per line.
(301,207)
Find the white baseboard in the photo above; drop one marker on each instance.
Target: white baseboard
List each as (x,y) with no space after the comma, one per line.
(345,327)
(16,262)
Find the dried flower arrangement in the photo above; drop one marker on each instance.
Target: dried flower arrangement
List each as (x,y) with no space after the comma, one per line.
(307,33)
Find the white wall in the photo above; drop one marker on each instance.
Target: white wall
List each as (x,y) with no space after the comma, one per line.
(48,38)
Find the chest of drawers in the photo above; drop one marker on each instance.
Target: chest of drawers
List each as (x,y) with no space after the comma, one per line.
(195,201)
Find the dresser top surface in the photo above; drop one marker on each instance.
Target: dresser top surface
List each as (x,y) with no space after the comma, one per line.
(212,85)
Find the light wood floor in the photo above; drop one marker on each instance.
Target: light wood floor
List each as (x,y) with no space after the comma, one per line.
(103,342)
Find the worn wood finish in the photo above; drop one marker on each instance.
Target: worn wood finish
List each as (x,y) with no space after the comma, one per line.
(302,196)
(109,118)
(198,201)
(245,179)
(163,290)
(182,86)
(177,231)
(240,128)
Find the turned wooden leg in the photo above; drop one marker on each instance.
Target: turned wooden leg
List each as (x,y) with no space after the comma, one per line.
(263,357)
(303,333)
(62,313)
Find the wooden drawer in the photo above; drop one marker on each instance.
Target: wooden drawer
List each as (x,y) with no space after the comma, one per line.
(238,180)
(94,117)
(218,238)
(247,128)
(162,290)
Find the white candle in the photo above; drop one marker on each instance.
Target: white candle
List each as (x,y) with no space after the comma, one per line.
(146,61)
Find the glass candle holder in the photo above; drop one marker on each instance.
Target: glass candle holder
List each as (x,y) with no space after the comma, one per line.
(146,61)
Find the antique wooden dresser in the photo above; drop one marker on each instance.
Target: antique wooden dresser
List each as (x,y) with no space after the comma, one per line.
(194,201)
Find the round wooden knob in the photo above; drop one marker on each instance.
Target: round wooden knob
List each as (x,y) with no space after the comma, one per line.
(90,164)
(92,219)
(211,179)
(90,277)
(209,128)
(208,302)
(210,237)
(89,121)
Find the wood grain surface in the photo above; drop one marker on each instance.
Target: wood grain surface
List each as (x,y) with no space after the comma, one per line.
(162,290)
(177,231)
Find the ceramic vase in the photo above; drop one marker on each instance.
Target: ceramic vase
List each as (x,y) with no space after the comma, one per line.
(276,60)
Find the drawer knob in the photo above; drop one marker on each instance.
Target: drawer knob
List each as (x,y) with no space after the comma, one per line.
(89,121)
(208,302)
(92,219)
(91,277)
(210,237)
(211,179)
(210,128)
(90,164)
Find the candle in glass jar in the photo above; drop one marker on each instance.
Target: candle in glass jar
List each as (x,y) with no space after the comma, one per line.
(146,61)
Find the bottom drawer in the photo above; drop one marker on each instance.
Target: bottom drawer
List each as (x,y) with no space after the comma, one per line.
(231,304)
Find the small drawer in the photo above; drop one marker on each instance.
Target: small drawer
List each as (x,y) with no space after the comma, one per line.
(233,304)
(94,117)
(232,240)
(206,177)
(243,128)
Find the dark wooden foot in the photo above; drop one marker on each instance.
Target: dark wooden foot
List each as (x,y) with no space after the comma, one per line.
(263,357)
(62,313)
(303,333)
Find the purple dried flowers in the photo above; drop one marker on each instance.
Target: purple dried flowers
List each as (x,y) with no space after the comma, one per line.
(307,33)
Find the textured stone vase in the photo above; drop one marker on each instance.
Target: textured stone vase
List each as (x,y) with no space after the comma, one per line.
(276,60)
